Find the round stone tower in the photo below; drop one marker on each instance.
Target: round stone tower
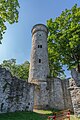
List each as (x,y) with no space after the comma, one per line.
(39,67)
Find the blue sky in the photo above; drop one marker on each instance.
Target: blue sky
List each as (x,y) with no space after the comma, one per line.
(17,39)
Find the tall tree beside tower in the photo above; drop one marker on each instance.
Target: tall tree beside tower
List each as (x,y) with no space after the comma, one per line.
(64,41)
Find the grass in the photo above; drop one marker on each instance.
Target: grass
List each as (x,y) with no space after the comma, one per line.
(36,115)
(74,118)
(22,116)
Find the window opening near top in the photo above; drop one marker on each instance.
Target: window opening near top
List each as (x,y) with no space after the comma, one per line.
(39,34)
(39,60)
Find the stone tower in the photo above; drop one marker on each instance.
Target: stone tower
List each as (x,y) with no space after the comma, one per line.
(39,68)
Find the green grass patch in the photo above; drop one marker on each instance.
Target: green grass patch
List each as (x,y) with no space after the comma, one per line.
(23,116)
(36,115)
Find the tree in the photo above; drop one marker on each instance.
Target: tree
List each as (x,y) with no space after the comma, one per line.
(64,40)
(8,13)
(20,71)
(23,70)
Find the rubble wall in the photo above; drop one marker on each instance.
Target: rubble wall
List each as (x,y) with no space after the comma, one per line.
(15,94)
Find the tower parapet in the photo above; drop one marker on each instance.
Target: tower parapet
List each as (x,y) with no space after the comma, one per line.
(39,27)
(39,67)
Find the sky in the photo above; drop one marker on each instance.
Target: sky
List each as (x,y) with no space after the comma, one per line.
(17,40)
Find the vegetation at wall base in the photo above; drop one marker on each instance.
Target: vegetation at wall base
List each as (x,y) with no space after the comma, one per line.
(22,116)
(29,116)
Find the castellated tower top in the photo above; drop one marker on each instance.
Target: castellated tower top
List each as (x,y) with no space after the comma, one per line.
(39,67)
(39,27)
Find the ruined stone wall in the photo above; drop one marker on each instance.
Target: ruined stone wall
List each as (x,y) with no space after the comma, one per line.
(66,94)
(75,95)
(56,94)
(15,94)
(18,95)
(75,91)
(59,94)
(41,97)
(53,93)
(76,76)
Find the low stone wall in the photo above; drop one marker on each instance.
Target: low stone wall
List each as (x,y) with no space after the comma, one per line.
(59,94)
(75,91)
(15,94)
(41,96)
(53,94)
(75,96)
(56,94)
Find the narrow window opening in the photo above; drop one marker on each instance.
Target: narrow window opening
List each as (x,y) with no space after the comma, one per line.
(28,103)
(39,34)
(39,60)
(39,46)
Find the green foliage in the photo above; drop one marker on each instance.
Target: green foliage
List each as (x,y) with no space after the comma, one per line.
(20,71)
(8,13)
(23,116)
(29,116)
(63,77)
(64,40)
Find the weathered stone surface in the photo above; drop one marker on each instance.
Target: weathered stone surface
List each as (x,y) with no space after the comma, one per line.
(18,95)
(15,94)
(49,93)
(41,96)
(39,68)
(53,94)
(76,76)
(59,94)
(56,94)
(75,96)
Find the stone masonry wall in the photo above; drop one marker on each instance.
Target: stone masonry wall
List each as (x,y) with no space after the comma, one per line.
(66,94)
(18,95)
(56,94)
(39,68)
(53,94)
(15,94)
(75,95)
(41,96)
(59,94)
(75,91)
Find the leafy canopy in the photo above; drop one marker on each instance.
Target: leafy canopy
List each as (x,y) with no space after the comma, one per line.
(64,40)
(8,13)
(20,71)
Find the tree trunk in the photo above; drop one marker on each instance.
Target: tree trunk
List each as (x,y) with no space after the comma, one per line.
(78,67)
(76,76)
